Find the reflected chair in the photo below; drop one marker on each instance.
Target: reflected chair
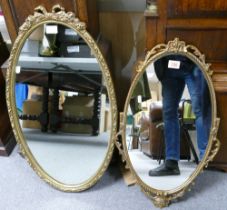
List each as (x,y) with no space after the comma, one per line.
(154,146)
(187,123)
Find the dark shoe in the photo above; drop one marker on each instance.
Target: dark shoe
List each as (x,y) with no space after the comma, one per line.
(166,169)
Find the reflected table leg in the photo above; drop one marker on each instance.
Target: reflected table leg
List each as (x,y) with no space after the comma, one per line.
(44,116)
(54,118)
(96,112)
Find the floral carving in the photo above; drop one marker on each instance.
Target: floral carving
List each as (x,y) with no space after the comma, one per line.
(58,15)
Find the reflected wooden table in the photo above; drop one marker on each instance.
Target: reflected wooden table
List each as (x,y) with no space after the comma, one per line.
(81,75)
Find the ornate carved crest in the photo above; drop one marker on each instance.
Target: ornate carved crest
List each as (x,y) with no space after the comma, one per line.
(162,198)
(59,16)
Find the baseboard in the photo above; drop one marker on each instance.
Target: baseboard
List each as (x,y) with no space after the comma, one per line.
(217,165)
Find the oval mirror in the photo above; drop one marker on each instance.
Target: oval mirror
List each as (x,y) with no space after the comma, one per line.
(169,122)
(61,100)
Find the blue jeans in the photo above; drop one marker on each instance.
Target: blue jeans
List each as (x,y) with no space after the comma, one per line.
(173,85)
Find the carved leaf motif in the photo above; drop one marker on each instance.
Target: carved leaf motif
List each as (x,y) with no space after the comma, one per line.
(162,198)
(159,48)
(41,16)
(176,45)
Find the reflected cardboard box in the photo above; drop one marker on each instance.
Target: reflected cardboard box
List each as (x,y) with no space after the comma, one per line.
(78,106)
(31,107)
(82,107)
(75,106)
(34,91)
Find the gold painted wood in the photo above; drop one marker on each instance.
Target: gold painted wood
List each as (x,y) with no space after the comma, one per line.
(58,16)
(162,198)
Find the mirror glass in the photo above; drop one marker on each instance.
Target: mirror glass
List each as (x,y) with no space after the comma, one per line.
(168,122)
(62,104)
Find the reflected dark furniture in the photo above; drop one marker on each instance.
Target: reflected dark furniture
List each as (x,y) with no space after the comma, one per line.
(15,12)
(7,140)
(85,83)
(208,32)
(154,146)
(63,76)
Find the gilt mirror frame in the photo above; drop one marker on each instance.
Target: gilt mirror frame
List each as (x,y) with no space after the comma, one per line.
(57,16)
(162,198)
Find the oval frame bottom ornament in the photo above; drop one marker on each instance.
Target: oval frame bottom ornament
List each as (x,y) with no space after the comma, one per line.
(162,198)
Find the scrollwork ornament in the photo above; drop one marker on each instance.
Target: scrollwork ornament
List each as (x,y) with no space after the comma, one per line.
(58,8)
(118,145)
(176,45)
(58,16)
(162,198)
(154,51)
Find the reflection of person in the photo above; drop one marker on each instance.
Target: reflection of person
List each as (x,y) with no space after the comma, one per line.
(174,72)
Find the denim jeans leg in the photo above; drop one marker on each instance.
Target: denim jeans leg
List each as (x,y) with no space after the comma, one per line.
(194,83)
(172,90)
